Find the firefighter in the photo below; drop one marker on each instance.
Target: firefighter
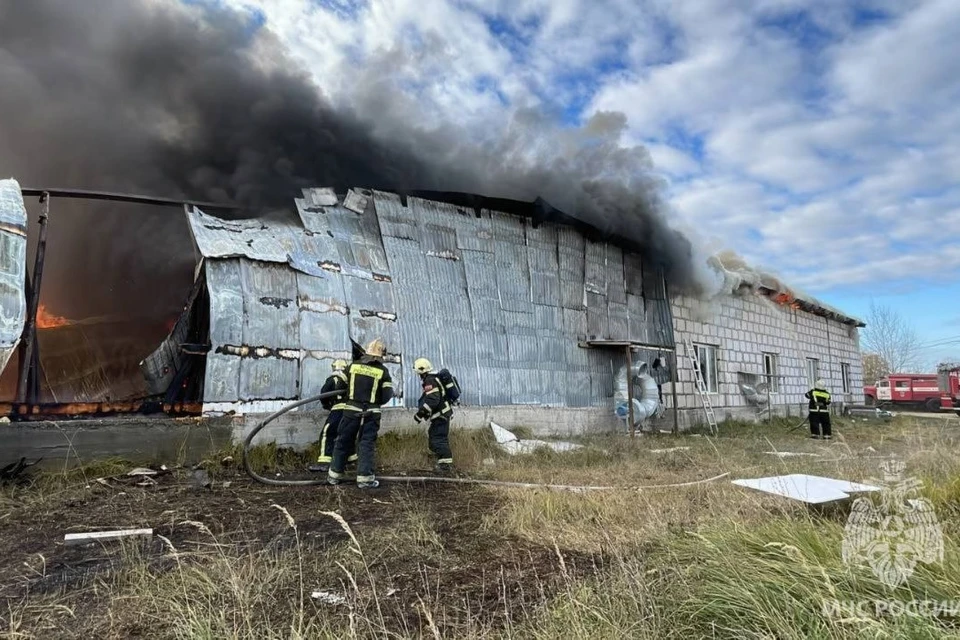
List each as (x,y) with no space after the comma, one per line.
(435,406)
(368,388)
(819,411)
(328,435)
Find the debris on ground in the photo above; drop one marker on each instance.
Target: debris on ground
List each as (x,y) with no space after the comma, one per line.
(670,450)
(792,454)
(100,536)
(14,470)
(514,445)
(328,597)
(200,479)
(806,488)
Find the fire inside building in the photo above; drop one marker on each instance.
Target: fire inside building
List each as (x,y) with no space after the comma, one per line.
(538,314)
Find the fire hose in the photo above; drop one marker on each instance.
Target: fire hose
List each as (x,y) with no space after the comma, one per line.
(248,467)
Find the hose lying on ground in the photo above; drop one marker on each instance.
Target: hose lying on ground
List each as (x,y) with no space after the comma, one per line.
(248,467)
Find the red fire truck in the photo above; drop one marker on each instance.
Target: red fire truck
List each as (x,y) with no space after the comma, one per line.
(949,382)
(906,391)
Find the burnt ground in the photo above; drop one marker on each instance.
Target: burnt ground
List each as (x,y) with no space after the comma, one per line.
(425,544)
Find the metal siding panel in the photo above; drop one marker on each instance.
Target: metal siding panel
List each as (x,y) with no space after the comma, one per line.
(496,386)
(575,323)
(225,286)
(638,324)
(439,239)
(313,373)
(552,388)
(271,316)
(478,237)
(525,386)
(221,378)
(268,241)
(269,378)
(549,318)
(619,326)
(597,319)
(13,265)
(577,389)
(633,273)
(480,272)
(323,314)
(616,286)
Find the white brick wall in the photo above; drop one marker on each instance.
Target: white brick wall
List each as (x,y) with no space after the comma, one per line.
(748,325)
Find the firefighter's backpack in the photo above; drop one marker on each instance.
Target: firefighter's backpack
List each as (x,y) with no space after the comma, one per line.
(451,387)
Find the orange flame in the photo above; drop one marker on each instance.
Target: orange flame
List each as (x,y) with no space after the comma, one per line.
(47,320)
(786,300)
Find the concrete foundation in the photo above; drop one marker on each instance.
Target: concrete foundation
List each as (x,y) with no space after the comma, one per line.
(190,440)
(300,429)
(136,438)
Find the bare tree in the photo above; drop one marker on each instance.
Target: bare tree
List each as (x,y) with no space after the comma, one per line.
(890,337)
(874,368)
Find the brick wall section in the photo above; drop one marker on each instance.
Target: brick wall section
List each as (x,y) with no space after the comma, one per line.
(745,326)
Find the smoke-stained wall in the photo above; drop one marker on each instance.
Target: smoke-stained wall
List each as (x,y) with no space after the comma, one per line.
(500,302)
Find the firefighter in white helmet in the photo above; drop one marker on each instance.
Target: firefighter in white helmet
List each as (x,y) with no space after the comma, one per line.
(337,381)
(435,407)
(819,411)
(368,388)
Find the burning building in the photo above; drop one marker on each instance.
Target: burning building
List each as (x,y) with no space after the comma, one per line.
(533,310)
(760,346)
(530,308)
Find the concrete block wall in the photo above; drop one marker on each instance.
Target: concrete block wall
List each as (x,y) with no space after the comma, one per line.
(745,326)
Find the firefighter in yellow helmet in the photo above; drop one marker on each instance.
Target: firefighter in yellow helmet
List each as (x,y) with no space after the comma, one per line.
(368,388)
(337,381)
(435,407)
(819,411)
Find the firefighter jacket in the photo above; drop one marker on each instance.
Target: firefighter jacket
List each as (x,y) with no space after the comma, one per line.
(819,400)
(368,386)
(336,382)
(433,401)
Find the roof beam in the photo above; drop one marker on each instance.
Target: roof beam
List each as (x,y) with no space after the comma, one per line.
(82,194)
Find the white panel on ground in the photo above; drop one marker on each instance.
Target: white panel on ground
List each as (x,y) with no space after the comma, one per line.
(513,445)
(502,435)
(99,536)
(792,454)
(806,488)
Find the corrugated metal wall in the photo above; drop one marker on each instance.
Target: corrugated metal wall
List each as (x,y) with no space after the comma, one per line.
(499,302)
(13,265)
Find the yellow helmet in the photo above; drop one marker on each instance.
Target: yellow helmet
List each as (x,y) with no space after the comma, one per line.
(376,348)
(339,365)
(422,365)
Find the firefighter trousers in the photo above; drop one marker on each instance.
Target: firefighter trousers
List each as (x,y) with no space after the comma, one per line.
(820,423)
(328,438)
(352,426)
(439,436)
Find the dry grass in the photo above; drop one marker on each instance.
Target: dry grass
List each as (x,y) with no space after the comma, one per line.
(711,560)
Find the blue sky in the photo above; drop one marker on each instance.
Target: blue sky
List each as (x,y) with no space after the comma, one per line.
(820,139)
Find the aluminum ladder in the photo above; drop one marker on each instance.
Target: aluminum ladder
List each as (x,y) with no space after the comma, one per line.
(702,388)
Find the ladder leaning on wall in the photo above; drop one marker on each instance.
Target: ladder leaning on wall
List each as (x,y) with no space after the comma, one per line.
(701,387)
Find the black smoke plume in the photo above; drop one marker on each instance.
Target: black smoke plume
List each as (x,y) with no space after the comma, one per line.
(155,97)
